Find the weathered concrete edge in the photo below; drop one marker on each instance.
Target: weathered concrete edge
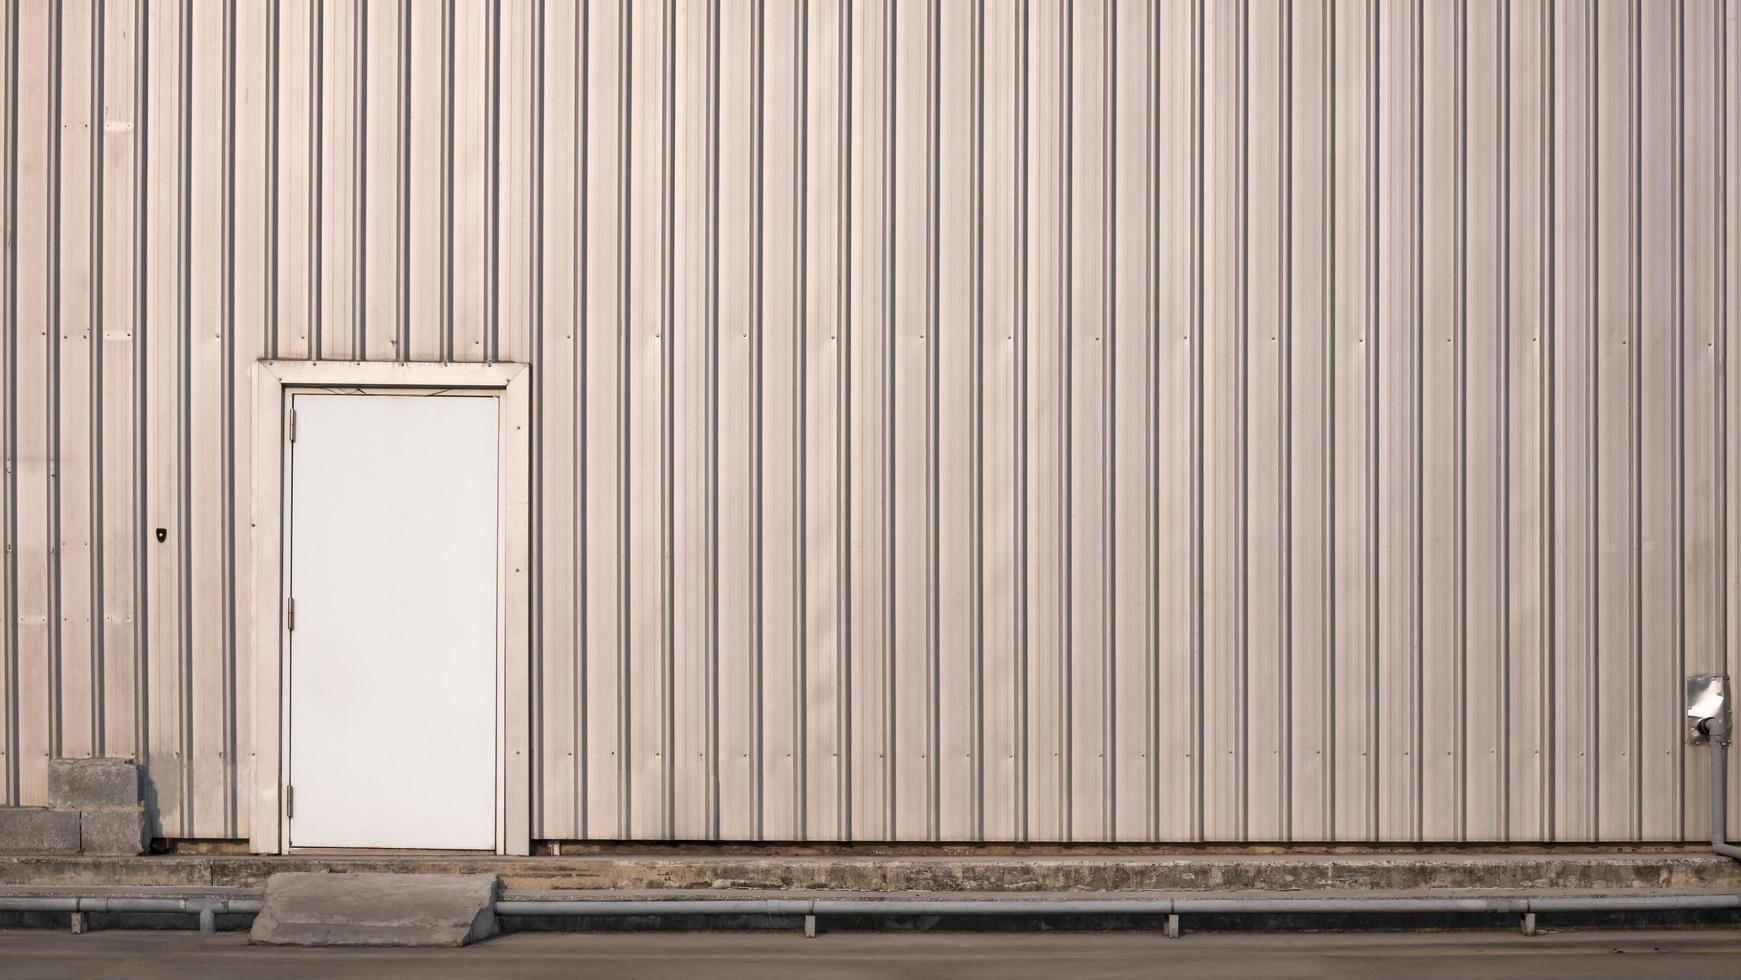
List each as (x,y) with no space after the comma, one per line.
(324,909)
(382,937)
(196,893)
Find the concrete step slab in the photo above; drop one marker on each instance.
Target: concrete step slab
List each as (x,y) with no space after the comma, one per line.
(36,830)
(93,783)
(313,909)
(117,831)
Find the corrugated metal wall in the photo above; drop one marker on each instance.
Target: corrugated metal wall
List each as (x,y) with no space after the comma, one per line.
(974,419)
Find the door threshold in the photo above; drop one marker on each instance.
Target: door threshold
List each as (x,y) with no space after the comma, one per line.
(385,852)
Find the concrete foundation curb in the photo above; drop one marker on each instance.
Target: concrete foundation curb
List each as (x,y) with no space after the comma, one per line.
(929,873)
(36,830)
(93,783)
(115,831)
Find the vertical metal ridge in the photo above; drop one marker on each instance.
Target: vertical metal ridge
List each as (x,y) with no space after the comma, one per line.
(843,232)
(1329,455)
(1285,522)
(449,69)
(977,438)
(493,184)
(1502,683)
(1417,693)
(229,579)
(1242,411)
(1109,434)
(580,471)
(668,412)
(52,350)
(933,477)
(1152,429)
(1416,410)
(274,60)
(141,322)
(1679,481)
(1545,677)
(402,188)
(1373,503)
(359,184)
(891,713)
(1635,421)
(184,417)
(1592,473)
(1721,332)
(711,355)
(1199,789)
(10,743)
(800,425)
(535,328)
(625,676)
(712,439)
(99,693)
(758,382)
(1066,422)
(1461,385)
(317,176)
(1022,475)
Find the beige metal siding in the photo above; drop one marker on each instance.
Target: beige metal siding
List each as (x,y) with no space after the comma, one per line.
(970,419)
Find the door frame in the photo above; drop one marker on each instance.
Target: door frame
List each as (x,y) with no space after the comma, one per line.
(274,382)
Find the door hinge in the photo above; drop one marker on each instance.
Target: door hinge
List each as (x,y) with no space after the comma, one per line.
(289,802)
(292,426)
(290,614)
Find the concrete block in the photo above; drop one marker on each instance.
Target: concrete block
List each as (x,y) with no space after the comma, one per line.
(80,783)
(114,831)
(313,909)
(34,830)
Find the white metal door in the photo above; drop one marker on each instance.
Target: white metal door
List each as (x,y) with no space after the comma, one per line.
(392,652)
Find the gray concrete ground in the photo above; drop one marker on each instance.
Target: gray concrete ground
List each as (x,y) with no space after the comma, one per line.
(1490,956)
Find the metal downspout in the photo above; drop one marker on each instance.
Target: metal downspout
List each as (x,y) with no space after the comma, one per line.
(1719,733)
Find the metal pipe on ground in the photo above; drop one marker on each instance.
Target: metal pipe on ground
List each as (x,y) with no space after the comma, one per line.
(208,909)
(1172,908)
(1120,906)
(809,909)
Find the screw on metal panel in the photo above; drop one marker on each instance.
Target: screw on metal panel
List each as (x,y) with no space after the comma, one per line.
(1172,927)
